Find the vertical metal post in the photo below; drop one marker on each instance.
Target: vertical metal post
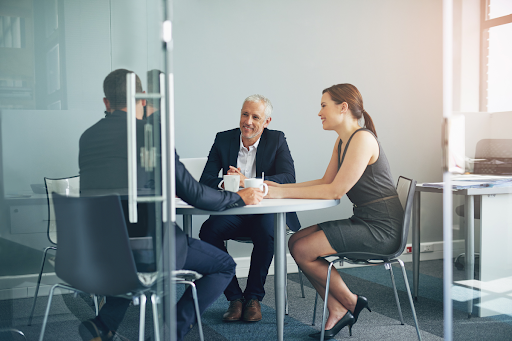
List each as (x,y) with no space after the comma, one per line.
(132,147)
(416,207)
(447,188)
(163,148)
(170,240)
(469,220)
(279,270)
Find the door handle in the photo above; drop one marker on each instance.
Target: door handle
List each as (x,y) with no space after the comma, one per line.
(147,155)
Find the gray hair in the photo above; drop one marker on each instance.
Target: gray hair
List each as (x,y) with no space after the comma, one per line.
(264,100)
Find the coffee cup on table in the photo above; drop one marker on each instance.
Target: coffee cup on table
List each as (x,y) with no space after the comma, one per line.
(257,183)
(231,182)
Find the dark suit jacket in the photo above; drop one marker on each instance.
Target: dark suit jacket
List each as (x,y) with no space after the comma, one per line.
(272,157)
(103,163)
(103,156)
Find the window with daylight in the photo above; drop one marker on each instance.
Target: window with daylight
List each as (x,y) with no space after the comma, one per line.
(496,34)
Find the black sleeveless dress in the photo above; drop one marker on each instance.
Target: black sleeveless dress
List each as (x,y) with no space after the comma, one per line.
(377,221)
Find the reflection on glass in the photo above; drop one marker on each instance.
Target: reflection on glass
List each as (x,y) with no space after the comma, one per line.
(499,8)
(54,56)
(499,86)
(12,32)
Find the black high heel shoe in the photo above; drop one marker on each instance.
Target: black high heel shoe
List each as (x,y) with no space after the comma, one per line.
(348,319)
(362,302)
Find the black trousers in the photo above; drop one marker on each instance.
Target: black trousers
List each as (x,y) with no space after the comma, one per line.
(258,227)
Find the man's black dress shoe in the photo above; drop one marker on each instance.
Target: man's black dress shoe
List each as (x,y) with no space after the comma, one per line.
(348,319)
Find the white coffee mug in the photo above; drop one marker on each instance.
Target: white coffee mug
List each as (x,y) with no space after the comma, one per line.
(231,183)
(257,183)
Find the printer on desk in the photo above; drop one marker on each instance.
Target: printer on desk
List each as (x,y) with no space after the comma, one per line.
(495,156)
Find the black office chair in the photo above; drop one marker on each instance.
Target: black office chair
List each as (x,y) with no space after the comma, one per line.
(94,254)
(405,188)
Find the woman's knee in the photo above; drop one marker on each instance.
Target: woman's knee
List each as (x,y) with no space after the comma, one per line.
(292,240)
(299,251)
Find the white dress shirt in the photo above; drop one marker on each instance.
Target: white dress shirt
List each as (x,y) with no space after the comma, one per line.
(247,159)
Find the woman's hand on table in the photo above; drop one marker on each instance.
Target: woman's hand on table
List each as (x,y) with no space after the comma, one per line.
(274,193)
(271,183)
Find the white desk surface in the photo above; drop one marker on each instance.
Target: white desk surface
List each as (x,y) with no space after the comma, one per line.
(472,191)
(265,206)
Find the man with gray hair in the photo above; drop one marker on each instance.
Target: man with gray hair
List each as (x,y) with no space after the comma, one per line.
(249,151)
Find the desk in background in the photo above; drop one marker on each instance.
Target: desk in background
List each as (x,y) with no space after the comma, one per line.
(279,207)
(496,237)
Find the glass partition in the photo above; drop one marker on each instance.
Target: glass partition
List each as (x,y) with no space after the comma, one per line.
(480,218)
(55,55)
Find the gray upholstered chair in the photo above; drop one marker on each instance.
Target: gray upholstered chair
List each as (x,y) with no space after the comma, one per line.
(405,189)
(95,255)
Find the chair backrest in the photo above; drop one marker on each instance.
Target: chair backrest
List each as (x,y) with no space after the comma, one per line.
(405,188)
(64,186)
(94,252)
(195,166)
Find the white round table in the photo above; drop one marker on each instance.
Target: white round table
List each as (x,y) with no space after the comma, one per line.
(279,207)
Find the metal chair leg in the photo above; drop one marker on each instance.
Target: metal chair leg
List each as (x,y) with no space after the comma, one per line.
(301,283)
(50,297)
(314,310)
(142,319)
(286,288)
(404,273)
(12,331)
(96,304)
(154,302)
(198,312)
(390,268)
(324,314)
(39,282)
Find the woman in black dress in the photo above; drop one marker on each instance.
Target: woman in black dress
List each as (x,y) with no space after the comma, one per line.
(359,169)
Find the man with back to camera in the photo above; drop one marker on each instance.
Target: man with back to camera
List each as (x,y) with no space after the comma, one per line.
(103,170)
(248,151)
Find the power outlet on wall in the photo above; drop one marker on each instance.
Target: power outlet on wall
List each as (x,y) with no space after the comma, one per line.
(427,247)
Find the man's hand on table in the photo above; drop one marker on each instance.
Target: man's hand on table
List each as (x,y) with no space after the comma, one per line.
(237,171)
(251,196)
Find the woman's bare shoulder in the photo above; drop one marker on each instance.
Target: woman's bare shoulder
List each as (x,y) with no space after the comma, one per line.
(364,137)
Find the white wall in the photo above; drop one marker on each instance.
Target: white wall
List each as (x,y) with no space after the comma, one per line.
(484,125)
(290,51)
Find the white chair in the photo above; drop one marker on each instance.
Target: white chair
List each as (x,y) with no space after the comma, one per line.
(195,166)
(69,186)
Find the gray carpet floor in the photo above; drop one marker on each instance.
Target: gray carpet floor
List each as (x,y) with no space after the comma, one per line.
(373,282)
